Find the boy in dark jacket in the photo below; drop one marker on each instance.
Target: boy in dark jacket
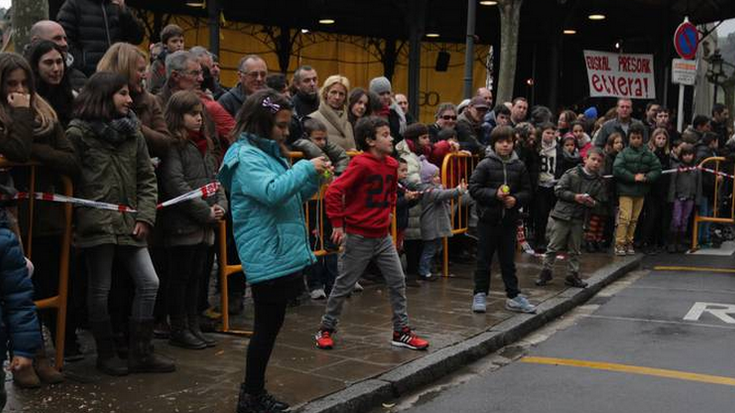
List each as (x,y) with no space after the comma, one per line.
(635,169)
(17,312)
(359,204)
(500,186)
(577,192)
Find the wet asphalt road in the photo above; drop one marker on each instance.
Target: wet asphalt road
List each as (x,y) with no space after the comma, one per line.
(656,341)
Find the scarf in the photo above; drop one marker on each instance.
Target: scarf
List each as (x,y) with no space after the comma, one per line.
(198,139)
(116,130)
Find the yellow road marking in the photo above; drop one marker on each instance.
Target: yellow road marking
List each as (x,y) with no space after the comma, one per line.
(699,269)
(624,368)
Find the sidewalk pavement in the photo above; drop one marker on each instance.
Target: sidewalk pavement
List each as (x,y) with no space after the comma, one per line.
(362,371)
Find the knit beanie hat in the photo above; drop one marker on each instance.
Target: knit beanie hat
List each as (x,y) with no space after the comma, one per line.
(428,170)
(380,85)
(591,113)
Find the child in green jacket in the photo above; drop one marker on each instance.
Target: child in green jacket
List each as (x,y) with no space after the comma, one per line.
(635,168)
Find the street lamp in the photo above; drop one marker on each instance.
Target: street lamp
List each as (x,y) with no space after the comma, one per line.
(715,71)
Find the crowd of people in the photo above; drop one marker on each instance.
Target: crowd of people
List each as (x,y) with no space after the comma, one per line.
(136,130)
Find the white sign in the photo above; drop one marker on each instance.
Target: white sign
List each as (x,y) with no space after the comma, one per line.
(683,72)
(721,311)
(620,75)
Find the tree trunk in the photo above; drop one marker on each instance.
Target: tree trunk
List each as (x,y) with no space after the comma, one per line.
(510,21)
(25,14)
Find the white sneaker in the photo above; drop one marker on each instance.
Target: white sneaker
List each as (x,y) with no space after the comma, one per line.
(358,288)
(519,304)
(318,294)
(479,303)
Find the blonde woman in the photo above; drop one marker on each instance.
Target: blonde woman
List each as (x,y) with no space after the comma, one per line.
(333,112)
(130,62)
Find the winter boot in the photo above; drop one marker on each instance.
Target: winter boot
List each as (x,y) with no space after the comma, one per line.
(194,328)
(573,280)
(544,278)
(121,344)
(26,378)
(671,246)
(141,358)
(182,337)
(107,360)
(45,371)
(681,242)
(260,403)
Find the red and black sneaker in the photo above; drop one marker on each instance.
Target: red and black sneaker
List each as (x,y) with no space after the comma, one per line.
(407,338)
(324,339)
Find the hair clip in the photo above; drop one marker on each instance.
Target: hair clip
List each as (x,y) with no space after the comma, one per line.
(274,107)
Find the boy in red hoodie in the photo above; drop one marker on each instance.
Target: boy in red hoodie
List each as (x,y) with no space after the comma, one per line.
(359,204)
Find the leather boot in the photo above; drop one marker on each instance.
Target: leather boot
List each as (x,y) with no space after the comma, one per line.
(45,371)
(26,378)
(108,361)
(544,278)
(672,243)
(194,328)
(681,242)
(182,337)
(141,358)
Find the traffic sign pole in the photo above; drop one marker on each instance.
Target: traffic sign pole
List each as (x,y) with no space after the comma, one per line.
(680,111)
(686,42)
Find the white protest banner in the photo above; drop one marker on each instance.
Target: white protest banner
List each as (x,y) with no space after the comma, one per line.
(620,75)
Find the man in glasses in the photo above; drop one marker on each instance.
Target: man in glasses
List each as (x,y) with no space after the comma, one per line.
(469,125)
(251,73)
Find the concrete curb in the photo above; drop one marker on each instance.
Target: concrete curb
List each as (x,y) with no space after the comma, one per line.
(368,394)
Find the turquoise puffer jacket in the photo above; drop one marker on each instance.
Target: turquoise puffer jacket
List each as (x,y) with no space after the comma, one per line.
(266,200)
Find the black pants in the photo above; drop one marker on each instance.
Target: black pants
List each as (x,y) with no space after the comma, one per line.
(413,248)
(203,299)
(46,260)
(544,202)
(500,238)
(270,299)
(657,220)
(186,268)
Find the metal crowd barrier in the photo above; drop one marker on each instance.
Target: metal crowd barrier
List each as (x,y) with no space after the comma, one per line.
(718,215)
(457,166)
(59,301)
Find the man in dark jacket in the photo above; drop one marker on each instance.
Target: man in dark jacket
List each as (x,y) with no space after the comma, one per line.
(500,186)
(50,30)
(306,99)
(92,26)
(469,125)
(251,72)
(620,124)
(720,124)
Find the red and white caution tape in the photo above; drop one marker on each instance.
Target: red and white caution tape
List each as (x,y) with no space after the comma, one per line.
(204,192)
(45,196)
(687,169)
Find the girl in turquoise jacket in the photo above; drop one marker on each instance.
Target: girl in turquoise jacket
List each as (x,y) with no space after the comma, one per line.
(266,199)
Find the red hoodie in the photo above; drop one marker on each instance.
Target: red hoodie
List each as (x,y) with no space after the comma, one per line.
(362,198)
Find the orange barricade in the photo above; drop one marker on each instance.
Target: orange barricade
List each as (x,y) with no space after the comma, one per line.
(456,167)
(715,167)
(59,301)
